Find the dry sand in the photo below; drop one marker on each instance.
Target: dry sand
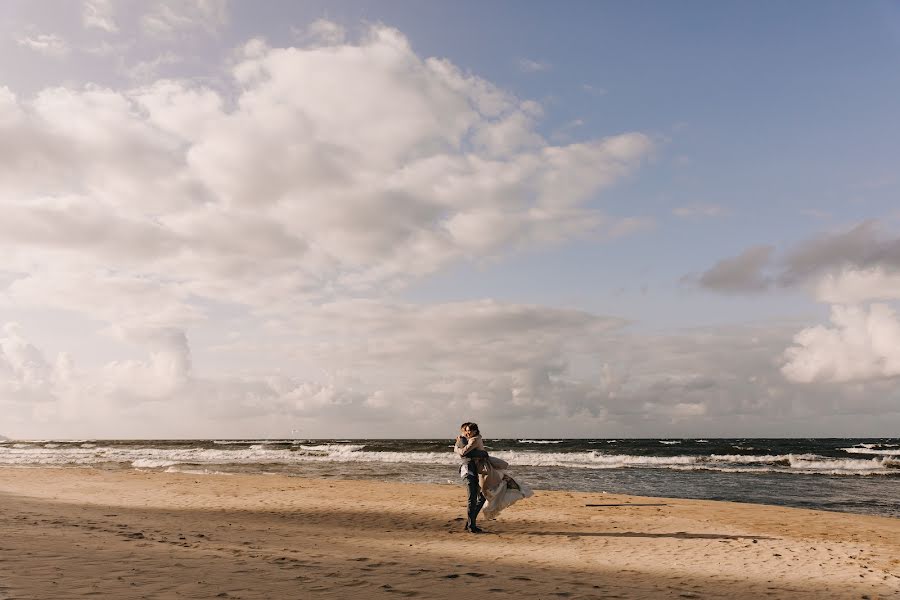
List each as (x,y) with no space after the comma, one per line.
(73,533)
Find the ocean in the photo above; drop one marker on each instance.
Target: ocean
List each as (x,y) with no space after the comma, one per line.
(849,475)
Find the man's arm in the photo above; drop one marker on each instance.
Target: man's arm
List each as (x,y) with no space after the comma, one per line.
(475,453)
(460,447)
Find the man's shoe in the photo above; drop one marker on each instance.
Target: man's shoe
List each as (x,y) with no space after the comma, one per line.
(474,529)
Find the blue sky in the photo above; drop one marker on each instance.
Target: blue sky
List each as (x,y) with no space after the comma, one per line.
(213,209)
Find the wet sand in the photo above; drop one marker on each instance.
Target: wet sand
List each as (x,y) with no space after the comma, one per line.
(79,533)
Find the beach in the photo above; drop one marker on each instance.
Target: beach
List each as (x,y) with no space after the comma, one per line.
(78,533)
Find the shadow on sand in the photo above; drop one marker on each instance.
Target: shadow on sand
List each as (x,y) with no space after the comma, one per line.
(64,550)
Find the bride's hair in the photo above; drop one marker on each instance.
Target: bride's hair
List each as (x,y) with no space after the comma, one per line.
(473,427)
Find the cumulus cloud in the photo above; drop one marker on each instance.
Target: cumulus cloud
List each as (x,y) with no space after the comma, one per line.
(516,367)
(856,286)
(379,361)
(520,369)
(848,269)
(24,372)
(864,343)
(281,197)
(283,189)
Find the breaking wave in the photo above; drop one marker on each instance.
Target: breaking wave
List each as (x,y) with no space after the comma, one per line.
(257,455)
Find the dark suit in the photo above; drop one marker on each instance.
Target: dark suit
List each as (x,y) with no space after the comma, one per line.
(476,498)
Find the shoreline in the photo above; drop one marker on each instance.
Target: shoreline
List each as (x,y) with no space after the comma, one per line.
(72,533)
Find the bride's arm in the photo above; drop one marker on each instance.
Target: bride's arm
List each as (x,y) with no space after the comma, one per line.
(461,449)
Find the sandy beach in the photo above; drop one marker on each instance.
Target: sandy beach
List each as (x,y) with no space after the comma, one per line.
(77,533)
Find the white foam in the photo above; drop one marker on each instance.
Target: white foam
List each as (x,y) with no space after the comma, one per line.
(149,463)
(869,449)
(198,471)
(265,454)
(755,459)
(840,464)
(540,441)
(336,448)
(256,442)
(875,446)
(669,442)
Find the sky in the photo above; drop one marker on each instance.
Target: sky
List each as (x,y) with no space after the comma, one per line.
(382,219)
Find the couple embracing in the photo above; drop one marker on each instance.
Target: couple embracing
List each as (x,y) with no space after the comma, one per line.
(491,489)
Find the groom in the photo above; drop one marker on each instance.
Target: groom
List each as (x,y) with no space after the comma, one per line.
(468,470)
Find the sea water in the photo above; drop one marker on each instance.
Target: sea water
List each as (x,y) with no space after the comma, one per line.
(850,475)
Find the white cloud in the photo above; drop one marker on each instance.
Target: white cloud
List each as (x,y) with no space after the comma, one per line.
(527,65)
(48,44)
(518,369)
(23,369)
(166,183)
(696,210)
(846,269)
(149,69)
(324,32)
(862,344)
(855,286)
(167,18)
(278,197)
(98,14)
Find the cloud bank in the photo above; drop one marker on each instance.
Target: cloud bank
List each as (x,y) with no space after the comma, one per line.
(305,191)
(855,271)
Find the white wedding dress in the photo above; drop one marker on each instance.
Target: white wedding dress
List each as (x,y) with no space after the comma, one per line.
(500,490)
(504,495)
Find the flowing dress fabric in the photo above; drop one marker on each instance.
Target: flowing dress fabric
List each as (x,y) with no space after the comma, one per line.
(501,490)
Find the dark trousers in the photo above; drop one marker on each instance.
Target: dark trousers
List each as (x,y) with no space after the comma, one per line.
(476,498)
